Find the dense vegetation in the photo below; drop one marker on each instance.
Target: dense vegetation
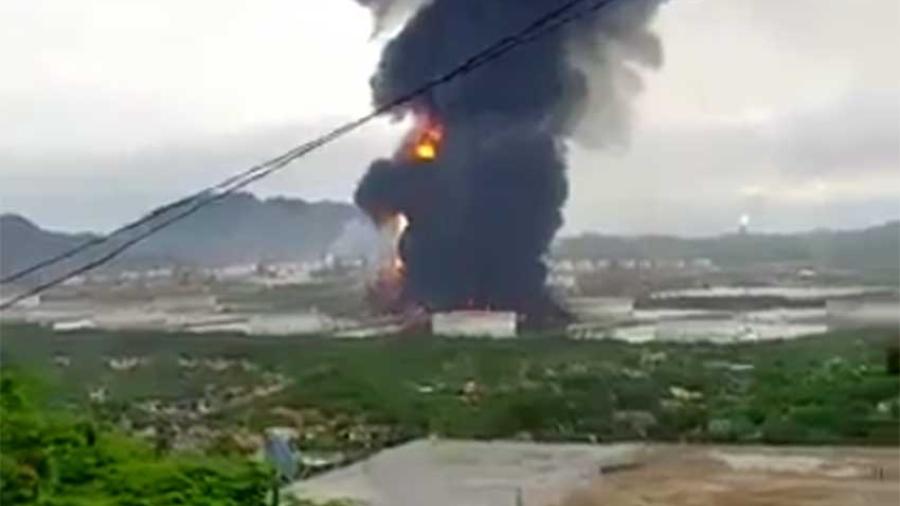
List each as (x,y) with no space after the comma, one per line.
(53,457)
(357,396)
(832,388)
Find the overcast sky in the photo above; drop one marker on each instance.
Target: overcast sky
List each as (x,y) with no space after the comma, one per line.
(785,110)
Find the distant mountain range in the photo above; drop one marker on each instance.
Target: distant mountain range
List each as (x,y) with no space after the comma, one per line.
(238,229)
(245,229)
(874,250)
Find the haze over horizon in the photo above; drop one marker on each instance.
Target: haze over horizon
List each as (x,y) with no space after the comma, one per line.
(369,228)
(787,113)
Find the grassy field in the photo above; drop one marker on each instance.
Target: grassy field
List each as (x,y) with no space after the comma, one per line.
(830,388)
(342,297)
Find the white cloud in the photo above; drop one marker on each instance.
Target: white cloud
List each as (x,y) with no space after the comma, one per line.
(786,111)
(99,75)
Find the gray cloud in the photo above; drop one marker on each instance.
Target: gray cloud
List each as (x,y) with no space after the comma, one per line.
(857,134)
(786,110)
(101,191)
(837,166)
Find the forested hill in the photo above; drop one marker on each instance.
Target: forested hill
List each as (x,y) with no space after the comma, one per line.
(871,249)
(240,228)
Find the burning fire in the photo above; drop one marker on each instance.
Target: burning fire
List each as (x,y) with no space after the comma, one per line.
(422,145)
(427,141)
(386,288)
(400,223)
(426,151)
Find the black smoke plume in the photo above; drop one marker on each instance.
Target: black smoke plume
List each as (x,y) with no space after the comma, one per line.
(483,213)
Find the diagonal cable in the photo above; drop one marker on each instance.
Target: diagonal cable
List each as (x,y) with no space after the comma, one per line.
(553,20)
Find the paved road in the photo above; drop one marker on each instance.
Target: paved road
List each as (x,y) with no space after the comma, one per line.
(468,473)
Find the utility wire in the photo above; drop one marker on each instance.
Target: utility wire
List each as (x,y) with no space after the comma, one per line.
(137,223)
(472,62)
(478,59)
(549,22)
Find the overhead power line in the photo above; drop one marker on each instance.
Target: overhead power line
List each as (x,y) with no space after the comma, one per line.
(474,61)
(554,19)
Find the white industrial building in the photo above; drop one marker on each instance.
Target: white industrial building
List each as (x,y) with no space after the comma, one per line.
(73,325)
(594,309)
(861,312)
(29,302)
(490,324)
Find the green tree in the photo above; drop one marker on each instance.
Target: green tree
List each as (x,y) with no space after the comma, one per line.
(52,458)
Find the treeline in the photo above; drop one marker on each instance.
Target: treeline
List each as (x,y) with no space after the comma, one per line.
(873,250)
(55,458)
(836,388)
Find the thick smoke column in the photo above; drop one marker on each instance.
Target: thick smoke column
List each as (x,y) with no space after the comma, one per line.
(483,212)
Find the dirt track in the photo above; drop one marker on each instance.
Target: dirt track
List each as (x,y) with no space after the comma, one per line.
(698,476)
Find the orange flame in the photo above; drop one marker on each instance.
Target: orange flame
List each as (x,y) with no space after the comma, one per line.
(401,222)
(427,141)
(392,267)
(426,151)
(386,287)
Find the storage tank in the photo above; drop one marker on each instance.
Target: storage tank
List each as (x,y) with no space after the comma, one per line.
(490,324)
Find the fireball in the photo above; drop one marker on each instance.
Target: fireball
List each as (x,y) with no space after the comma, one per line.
(427,141)
(426,151)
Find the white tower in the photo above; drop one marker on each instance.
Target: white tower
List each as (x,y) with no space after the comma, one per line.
(743,224)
